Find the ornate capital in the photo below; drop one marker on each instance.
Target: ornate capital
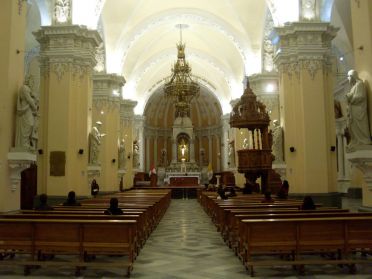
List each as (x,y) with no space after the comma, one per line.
(107,90)
(304,45)
(126,112)
(67,48)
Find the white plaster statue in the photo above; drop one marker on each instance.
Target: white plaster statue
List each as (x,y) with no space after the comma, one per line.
(231,153)
(62,10)
(277,147)
(135,154)
(357,115)
(26,113)
(121,155)
(245,143)
(95,141)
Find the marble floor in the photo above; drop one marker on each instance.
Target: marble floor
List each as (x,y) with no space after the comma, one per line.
(186,245)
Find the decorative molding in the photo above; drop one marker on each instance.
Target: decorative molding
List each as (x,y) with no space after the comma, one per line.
(106,103)
(62,12)
(268,47)
(64,45)
(312,66)
(17,162)
(20,6)
(101,59)
(271,101)
(362,159)
(304,45)
(59,69)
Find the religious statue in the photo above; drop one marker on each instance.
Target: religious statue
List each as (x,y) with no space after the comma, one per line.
(121,155)
(95,141)
(338,109)
(62,10)
(277,137)
(136,162)
(231,155)
(163,160)
(26,114)
(357,116)
(245,143)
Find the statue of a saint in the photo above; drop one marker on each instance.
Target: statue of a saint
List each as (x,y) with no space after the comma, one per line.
(136,162)
(164,161)
(95,141)
(121,155)
(231,155)
(26,112)
(277,147)
(357,116)
(245,143)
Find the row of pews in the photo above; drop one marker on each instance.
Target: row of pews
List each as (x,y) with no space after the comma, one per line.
(82,236)
(280,233)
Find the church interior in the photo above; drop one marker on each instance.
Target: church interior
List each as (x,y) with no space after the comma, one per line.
(157,103)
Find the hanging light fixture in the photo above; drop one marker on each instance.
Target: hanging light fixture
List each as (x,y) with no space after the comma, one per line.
(180,86)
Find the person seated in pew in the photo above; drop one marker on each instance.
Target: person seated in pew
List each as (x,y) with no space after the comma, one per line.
(247,189)
(114,208)
(43,203)
(307,204)
(231,193)
(94,188)
(221,195)
(267,198)
(71,199)
(283,191)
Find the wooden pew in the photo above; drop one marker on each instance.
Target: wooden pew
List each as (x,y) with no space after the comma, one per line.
(303,236)
(78,238)
(233,216)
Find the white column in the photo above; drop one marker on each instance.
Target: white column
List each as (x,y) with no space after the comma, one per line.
(155,149)
(139,135)
(174,151)
(210,148)
(225,141)
(147,153)
(192,150)
(218,143)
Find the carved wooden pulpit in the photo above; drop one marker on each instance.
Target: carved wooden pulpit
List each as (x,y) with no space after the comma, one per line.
(255,159)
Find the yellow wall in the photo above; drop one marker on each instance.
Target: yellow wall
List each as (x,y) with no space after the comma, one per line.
(109,144)
(309,128)
(127,134)
(12,30)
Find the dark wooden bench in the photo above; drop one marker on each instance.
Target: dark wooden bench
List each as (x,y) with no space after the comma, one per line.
(77,238)
(303,236)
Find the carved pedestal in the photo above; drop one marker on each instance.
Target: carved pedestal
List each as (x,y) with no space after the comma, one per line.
(362,159)
(19,161)
(93,172)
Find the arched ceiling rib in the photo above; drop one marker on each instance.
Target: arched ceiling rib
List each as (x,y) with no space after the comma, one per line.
(223,41)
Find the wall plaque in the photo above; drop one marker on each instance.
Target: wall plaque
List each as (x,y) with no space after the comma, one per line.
(57,163)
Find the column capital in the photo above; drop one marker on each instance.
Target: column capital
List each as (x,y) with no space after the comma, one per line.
(107,90)
(67,46)
(126,109)
(304,45)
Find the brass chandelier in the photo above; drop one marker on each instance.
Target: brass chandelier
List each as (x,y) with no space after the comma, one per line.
(180,86)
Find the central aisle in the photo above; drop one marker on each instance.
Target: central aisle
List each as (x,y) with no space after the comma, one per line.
(186,245)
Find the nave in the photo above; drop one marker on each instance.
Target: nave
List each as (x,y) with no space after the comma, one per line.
(186,245)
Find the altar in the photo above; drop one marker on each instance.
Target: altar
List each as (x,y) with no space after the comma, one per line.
(182,179)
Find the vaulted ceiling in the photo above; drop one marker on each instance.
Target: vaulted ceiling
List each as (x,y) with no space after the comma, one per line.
(223,39)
